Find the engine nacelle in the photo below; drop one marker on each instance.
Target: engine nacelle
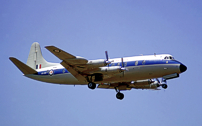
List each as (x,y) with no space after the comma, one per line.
(114,69)
(142,82)
(96,63)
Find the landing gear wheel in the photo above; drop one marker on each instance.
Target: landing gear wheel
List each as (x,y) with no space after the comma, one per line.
(119,95)
(91,85)
(164,86)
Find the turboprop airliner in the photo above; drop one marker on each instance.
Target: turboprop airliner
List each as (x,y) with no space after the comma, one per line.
(137,72)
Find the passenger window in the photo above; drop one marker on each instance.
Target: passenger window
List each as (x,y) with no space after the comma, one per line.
(112,64)
(118,64)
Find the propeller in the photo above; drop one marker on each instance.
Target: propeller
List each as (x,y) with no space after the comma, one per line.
(122,66)
(107,62)
(158,81)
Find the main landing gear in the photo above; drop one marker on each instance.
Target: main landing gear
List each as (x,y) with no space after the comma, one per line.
(119,95)
(91,85)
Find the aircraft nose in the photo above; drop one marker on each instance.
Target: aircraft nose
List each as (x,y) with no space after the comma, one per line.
(183,68)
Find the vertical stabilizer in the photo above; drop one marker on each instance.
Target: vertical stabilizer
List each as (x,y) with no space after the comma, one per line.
(35,59)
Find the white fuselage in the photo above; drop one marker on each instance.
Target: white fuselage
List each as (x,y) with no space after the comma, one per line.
(137,68)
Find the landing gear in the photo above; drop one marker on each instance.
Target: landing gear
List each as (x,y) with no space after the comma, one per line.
(164,86)
(119,95)
(163,83)
(91,85)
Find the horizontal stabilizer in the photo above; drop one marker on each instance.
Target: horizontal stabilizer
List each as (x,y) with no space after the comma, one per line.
(22,67)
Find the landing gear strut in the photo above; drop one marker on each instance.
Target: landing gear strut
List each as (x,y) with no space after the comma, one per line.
(91,85)
(119,95)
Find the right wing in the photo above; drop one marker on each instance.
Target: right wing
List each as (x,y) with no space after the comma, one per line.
(80,67)
(66,56)
(70,62)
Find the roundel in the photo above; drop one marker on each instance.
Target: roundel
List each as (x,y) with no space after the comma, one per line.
(51,72)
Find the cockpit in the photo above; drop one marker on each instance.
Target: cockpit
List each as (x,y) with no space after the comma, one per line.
(169,57)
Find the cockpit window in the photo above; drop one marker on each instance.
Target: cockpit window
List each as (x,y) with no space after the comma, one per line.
(169,57)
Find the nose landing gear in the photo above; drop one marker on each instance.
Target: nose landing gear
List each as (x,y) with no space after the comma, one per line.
(164,86)
(163,83)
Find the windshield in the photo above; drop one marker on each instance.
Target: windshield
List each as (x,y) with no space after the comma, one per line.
(169,57)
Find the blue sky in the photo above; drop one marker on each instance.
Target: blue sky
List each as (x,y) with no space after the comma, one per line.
(88,28)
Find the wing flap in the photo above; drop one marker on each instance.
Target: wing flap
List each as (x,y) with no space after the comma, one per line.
(22,67)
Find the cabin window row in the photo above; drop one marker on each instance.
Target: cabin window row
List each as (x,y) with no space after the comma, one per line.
(125,63)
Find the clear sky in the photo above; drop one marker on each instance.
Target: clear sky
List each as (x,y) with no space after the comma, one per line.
(87,28)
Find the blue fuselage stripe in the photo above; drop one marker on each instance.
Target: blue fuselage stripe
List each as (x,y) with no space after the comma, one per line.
(128,64)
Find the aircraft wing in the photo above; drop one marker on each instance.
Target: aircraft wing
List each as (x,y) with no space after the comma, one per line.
(69,61)
(79,67)
(66,56)
(140,84)
(22,67)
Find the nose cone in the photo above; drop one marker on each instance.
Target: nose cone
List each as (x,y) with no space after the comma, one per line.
(183,68)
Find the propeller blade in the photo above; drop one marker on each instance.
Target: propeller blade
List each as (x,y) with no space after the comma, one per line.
(158,80)
(107,62)
(122,62)
(122,65)
(106,55)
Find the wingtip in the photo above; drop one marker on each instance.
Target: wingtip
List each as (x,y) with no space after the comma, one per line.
(12,58)
(49,46)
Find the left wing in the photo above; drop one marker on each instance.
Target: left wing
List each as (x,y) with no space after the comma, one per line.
(140,84)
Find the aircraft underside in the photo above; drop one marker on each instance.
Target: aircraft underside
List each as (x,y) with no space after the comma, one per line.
(135,77)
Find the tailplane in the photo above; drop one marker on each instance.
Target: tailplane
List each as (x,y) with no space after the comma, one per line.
(22,67)
(35,59)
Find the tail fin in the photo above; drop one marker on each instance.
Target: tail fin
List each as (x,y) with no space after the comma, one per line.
(35,59)
(22,67)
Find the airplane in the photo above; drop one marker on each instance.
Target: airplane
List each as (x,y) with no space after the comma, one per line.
(126,73)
